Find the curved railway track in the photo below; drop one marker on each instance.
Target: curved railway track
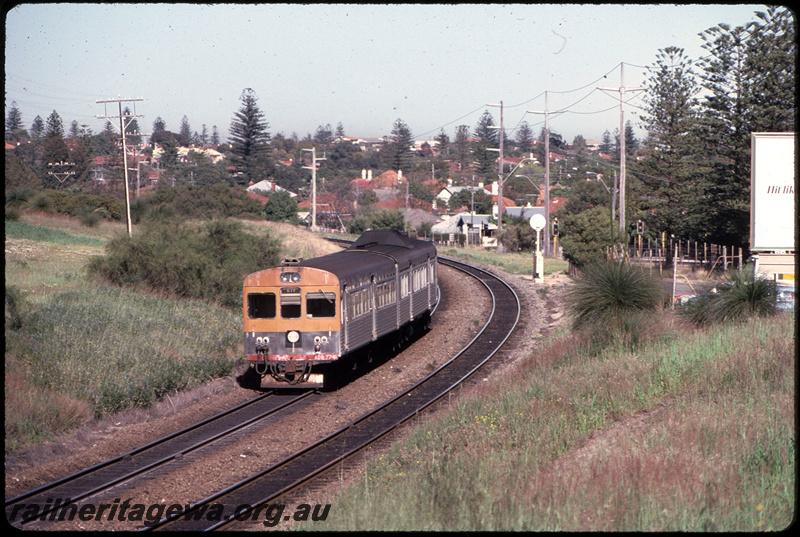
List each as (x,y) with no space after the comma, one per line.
(298,469)
(105,475)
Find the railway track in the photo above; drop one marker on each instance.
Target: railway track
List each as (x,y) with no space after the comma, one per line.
(241,501)
(157,454)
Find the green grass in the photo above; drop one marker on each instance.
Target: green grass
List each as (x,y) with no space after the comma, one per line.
(21,230)
(511,262)
(693,432)
(107,349)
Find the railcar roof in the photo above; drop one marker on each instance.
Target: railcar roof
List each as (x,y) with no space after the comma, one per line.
(374,251)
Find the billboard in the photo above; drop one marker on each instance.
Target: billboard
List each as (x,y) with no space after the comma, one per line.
(772,183)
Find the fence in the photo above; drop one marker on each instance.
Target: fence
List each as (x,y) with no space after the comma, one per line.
(700,255)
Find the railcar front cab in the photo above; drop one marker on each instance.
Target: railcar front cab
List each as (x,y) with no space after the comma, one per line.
(291,324)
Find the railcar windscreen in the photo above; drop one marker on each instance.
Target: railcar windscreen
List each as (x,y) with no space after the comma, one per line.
(320,305)
(261,305)
(290,303)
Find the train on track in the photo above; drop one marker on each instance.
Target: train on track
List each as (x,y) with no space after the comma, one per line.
(302,318)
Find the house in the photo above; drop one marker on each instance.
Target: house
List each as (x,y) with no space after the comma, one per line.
(442,199)
(478,228)
(266,186)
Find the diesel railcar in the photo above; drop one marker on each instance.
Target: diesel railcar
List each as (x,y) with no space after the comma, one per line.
(304,316)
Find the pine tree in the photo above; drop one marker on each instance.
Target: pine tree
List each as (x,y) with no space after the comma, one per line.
(159,125)
(487,138)
(55,127)
(214,135)
(462,148)
(525,137)
(37,128)
(250,140)
(748,74)
(13,121)
(397,155)
(670,117)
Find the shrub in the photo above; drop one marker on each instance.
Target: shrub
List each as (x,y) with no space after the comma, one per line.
(209,263)
(614,300)
(16,308)
(742,295)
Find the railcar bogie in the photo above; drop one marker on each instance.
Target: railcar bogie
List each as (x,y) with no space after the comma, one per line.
(305,316)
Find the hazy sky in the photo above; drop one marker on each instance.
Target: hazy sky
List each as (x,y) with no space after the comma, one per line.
(433,66)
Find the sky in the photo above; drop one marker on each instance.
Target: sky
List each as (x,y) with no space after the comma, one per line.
(365,66)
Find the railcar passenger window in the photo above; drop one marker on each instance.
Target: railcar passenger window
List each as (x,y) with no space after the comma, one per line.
(320,305)
(290,302)
(261,305)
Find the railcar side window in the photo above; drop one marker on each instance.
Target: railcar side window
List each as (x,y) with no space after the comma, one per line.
(320,305)
(261,305)
(290,302)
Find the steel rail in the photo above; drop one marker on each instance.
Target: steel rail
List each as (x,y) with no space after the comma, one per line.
(49,490)
(415,397)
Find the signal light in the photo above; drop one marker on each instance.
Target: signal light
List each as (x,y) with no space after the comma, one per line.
(555,227)
(639,227)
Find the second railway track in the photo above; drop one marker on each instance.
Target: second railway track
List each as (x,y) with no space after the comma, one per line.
(105,475)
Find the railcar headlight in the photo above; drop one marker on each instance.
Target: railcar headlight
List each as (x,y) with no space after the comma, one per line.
(293,336)
(290,277)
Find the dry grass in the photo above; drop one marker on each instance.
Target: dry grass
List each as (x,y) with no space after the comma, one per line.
(693,432)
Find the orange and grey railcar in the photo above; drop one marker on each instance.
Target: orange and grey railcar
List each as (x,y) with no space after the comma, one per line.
(305,316)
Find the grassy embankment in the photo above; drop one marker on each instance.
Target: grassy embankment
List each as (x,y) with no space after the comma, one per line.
(86,349)
(687,430)
(691,432)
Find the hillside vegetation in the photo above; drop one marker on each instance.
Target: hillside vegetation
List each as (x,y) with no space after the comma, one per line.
(78,348)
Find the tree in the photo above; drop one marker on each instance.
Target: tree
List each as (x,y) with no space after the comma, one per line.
(397,154)
(748,75)
(444,143)
(631,143)
(281,207)
(584,236)
(214,135)
(339,129)
(250,140)
(606,145)
(461,145)
(55,126)
(13,121)
(37,128)
(324,135)
(670,117)
(487,138)
(159,125)
(525,137)
(464,198)
(186,129)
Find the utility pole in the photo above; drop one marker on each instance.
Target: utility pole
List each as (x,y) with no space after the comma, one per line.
(61,175)
(546,113)
(313,169)
(499,178)
(622,89)
(124,121)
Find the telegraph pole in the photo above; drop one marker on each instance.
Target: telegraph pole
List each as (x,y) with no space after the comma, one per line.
(61,175)
(499,179)
(124,121)
(313,169)
(546,113)
(622,89)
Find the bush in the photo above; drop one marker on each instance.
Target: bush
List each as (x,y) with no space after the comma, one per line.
(742,295)
(16,309)
(614,300)
(209,263)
